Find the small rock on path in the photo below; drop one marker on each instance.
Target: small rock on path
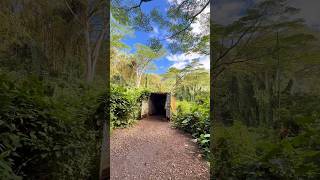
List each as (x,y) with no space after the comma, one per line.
(151,149)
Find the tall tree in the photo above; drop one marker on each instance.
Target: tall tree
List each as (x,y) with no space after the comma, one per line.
(142,60)
(93,16)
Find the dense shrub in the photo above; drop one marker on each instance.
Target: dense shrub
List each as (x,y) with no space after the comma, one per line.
(242,152)
(193,117)
(263,133)
(44,131)
(125,105)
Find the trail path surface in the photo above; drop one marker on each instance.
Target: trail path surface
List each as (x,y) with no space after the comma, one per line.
(151,149)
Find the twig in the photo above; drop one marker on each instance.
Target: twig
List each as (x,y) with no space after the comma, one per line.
(236,43)
(73,13)
(139,5)
(189,24)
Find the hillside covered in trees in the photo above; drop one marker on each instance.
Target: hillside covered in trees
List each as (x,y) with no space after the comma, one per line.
(265,92)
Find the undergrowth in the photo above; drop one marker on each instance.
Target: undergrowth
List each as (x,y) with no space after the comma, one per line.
(47,129)
(193,118)
(125,105)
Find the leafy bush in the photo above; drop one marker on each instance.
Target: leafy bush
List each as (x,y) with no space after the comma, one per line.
(194,119)
(125,105)
(261,153)
(43,129)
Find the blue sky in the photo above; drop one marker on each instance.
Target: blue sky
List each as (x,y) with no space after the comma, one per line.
(169,60)
(226,11)
(142,37)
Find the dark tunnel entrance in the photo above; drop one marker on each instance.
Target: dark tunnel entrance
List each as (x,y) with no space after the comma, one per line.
(158,104)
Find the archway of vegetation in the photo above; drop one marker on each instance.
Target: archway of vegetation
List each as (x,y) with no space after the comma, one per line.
(167,55)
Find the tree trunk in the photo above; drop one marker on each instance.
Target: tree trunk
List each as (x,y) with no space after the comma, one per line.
(89,58)
(138,81)
(96,52)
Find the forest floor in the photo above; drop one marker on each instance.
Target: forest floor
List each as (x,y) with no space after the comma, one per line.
(151,149)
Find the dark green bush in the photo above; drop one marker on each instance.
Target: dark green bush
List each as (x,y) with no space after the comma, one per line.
(290,152)
(43,129)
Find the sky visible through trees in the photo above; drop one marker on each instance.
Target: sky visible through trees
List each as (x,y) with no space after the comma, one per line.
(178,60)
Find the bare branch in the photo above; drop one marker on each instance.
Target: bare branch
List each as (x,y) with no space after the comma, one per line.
(96,8)
(192,19)
(139,5)
(180,6)
(215,76)
(239,61)
(233,44)
(72,12)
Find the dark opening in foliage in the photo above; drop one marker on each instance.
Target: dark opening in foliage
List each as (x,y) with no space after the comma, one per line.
(158,101)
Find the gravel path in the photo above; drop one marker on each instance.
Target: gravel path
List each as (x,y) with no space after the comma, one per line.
(151,149)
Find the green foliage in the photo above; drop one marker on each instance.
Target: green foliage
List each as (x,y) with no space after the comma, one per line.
(125,104)
(155,44)
(258,145)
(260,153)
(45,131)
(194,118)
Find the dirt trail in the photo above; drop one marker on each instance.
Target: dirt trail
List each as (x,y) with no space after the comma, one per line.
(151,149)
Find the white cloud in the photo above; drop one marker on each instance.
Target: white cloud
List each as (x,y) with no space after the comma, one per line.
(181,60)
(174,1)
(201,25)
(309,10)
(179,65)
(155,32)
(170,1)
(170,40)
(205,60)
(227,11)
(183,57)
